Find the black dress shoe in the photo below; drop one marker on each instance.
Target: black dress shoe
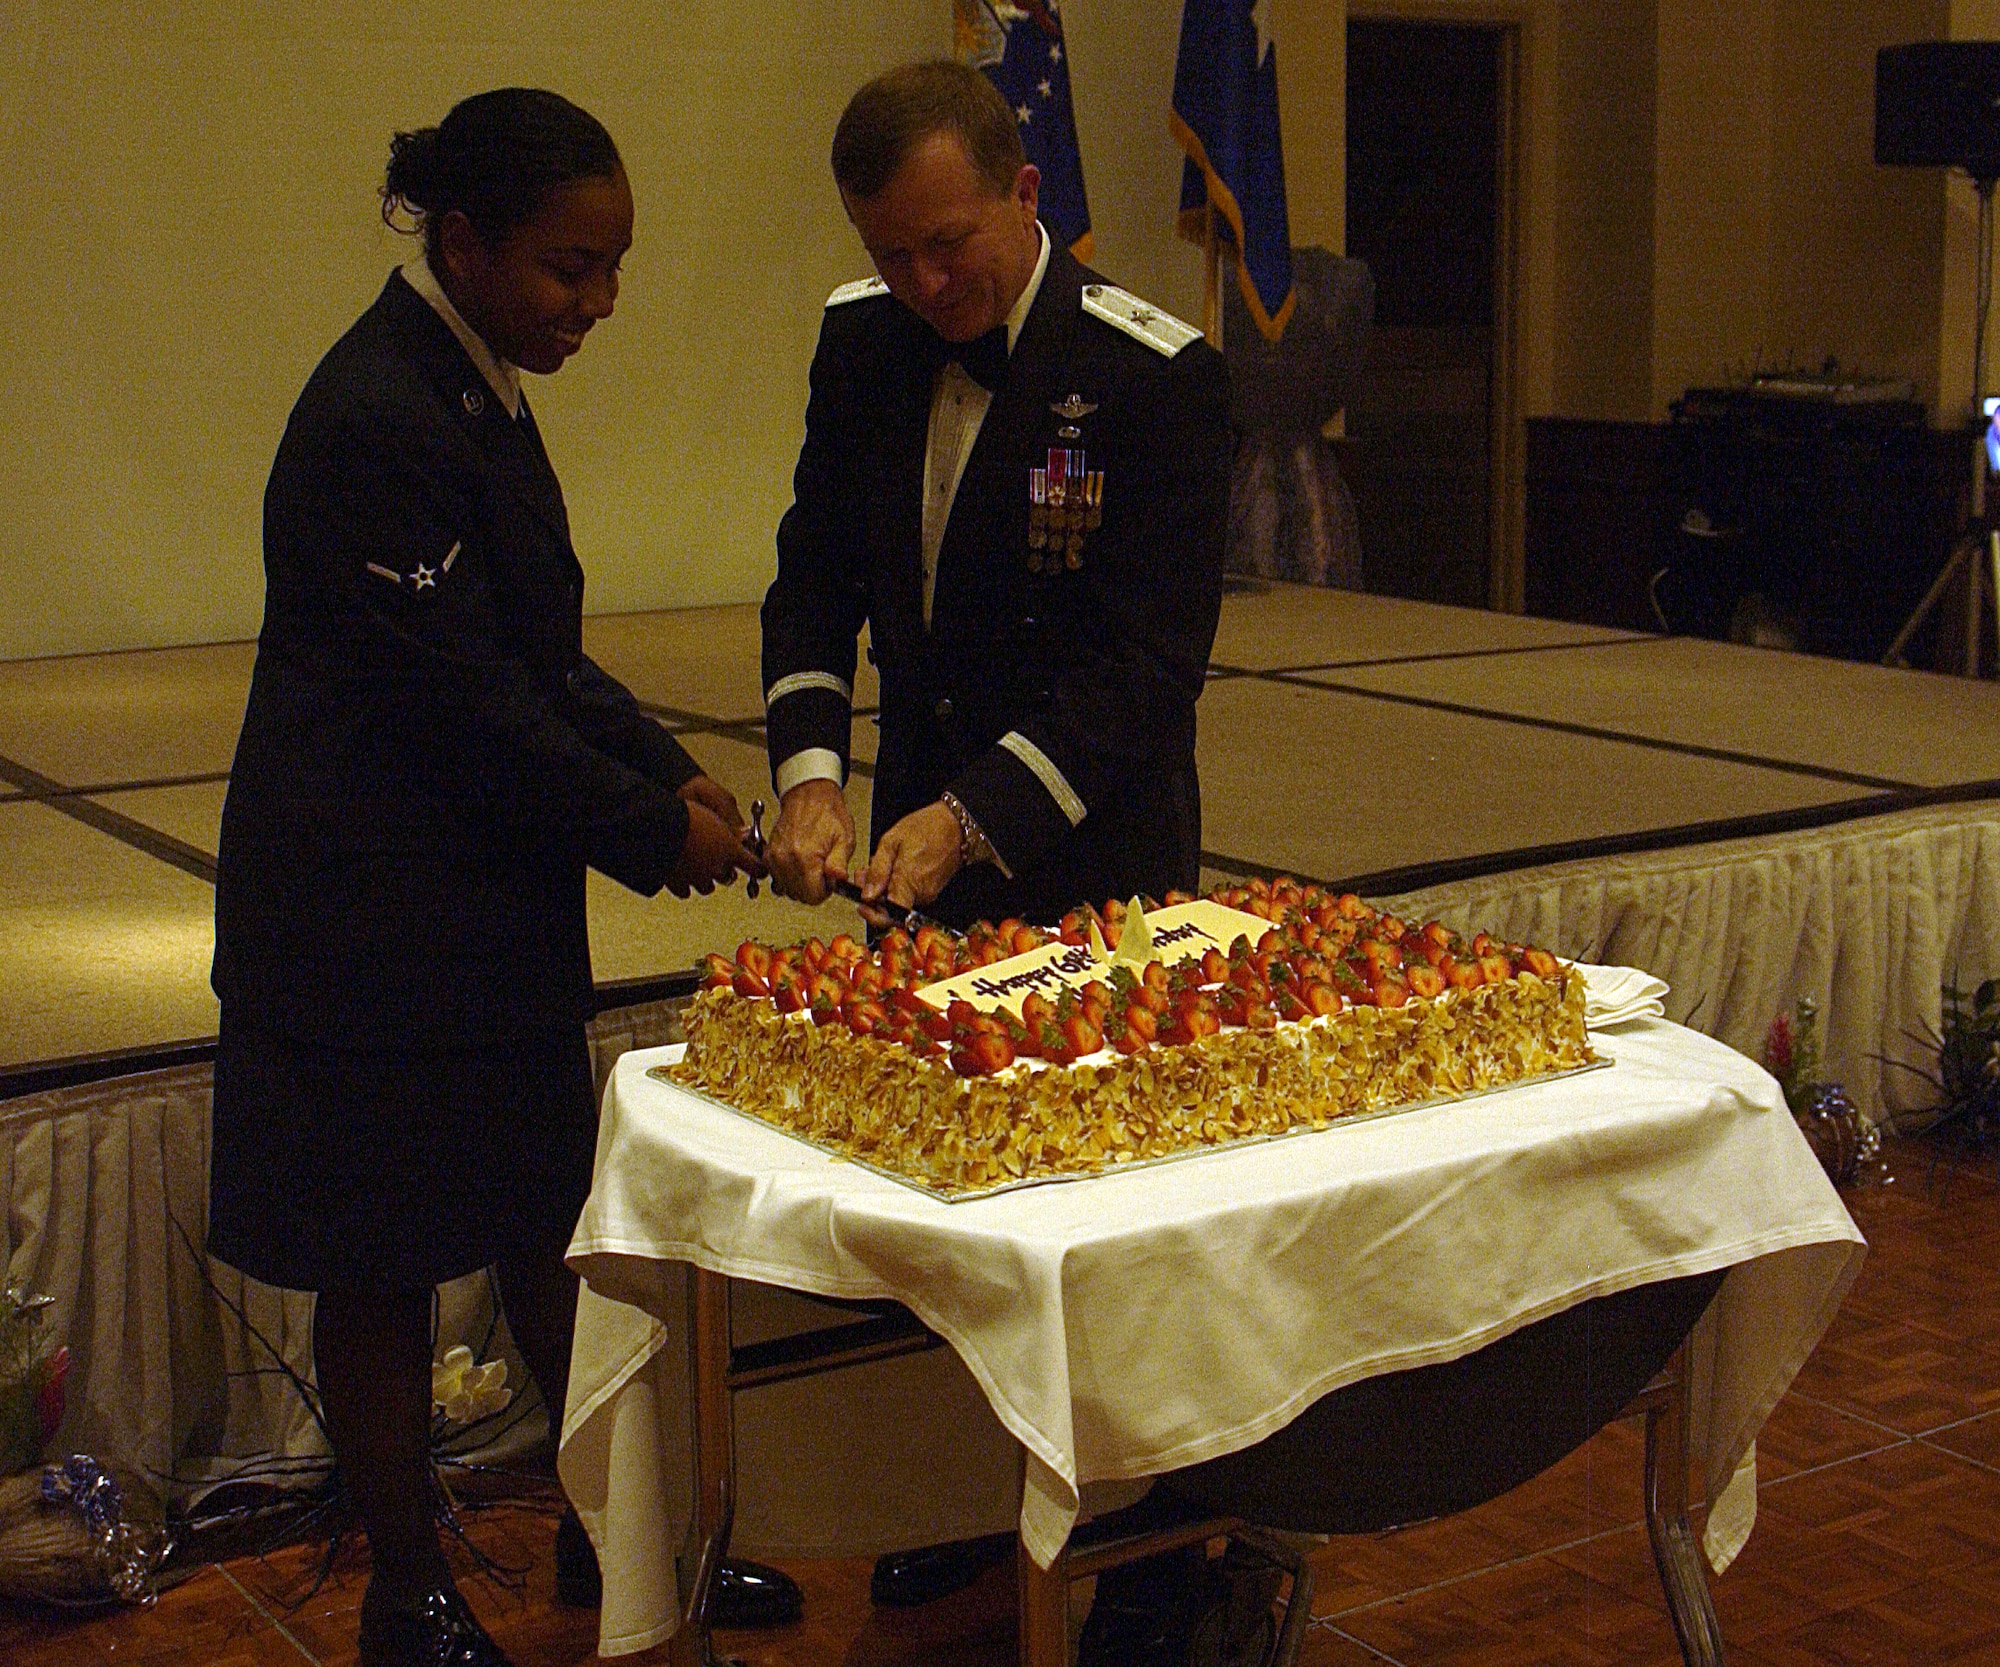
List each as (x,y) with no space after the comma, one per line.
(746,1594)
(749,1594)
(1184,1609)
(433,1630)
(1146,1613)
(904,1579)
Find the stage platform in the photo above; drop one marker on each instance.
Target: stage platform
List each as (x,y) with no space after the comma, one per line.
(1457,759)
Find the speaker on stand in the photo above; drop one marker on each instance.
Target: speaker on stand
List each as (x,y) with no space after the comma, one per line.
(1937,105)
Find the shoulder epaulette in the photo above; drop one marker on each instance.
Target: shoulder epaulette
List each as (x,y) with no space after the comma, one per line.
(1160,331)
(859,290)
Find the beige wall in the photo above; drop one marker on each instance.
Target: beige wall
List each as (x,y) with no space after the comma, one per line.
(1701,195)
(1602,216)
(1712,191)
(1856,248)
(1311,37)
(189,195)
(1777,238)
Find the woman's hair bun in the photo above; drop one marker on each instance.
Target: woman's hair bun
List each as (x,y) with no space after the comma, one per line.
(412,177)
(494,158)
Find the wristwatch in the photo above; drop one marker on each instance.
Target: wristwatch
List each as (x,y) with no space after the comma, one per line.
(973,846)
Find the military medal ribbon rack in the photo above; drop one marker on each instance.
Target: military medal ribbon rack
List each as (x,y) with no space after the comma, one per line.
(1065,500)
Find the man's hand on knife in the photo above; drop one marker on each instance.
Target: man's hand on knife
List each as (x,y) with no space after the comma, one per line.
(915,861)
(811,846)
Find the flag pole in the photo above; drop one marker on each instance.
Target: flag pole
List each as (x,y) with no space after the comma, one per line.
(1211,263)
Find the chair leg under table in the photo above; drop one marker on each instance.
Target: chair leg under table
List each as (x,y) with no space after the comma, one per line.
(1676,1552)
(1044,1592)
(717,1369)
(714,1432)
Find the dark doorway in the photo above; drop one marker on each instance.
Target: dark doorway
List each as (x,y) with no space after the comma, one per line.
(1423,196)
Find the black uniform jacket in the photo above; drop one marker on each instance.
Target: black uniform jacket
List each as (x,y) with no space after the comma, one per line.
(1058,706)
(429,760)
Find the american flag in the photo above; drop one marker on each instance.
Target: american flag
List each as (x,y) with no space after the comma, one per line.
(1022,50)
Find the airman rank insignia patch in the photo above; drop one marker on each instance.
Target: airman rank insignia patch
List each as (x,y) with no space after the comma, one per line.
(426,575)
(859,290)
(1160,331)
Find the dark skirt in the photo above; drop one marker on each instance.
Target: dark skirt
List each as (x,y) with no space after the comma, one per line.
(341,1169)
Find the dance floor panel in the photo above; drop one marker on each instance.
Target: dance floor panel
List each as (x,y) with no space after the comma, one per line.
(638,937)
(1341,736)
(191,814)
(705,661)
(1271,627)
(1336,785)
(1847,723)
(102,945)
(101,719)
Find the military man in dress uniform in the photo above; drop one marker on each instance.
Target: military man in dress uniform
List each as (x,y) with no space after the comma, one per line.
(1016,475)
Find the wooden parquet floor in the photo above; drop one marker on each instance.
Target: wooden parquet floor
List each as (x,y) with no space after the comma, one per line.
(1877,1541)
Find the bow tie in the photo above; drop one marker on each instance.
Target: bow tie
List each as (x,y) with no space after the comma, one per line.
(984,358)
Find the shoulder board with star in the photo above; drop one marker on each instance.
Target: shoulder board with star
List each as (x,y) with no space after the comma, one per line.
(1160,331)
(859,290)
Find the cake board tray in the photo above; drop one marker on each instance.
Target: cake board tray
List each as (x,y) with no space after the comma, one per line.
(968,1195)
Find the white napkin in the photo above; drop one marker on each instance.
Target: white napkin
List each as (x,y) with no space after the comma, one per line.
(1616,995)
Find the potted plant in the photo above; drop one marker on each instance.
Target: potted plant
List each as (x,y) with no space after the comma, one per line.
(1840,1134)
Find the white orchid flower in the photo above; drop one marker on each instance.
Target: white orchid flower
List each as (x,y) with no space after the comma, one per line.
(465,1390)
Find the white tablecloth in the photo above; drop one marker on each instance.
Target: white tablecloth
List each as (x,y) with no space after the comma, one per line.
(1140,1321)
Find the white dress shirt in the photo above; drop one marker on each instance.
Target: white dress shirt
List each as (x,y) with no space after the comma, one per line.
(958,408)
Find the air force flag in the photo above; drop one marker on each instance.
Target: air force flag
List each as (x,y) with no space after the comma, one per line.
(1225,116)
(1021,49)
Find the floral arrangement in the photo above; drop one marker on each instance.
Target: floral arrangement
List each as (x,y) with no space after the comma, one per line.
(31,1381)
(69,1532)
(1839,1132)
(1791,1050)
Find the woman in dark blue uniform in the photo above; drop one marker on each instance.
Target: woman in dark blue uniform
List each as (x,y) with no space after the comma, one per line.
(429,762)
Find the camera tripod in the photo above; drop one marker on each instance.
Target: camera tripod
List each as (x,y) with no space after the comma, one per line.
(1976,552)
(1977,556)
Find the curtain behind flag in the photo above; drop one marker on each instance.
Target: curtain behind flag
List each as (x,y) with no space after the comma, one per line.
(1022,51)
(1225,116)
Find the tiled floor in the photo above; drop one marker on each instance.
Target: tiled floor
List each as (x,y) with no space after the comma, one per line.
(1342,736)
(1877,1540)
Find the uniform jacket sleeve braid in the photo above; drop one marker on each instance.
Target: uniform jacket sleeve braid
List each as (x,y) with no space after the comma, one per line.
(1122,703)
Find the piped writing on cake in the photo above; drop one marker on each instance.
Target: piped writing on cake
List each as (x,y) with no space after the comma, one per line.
(1169,935)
